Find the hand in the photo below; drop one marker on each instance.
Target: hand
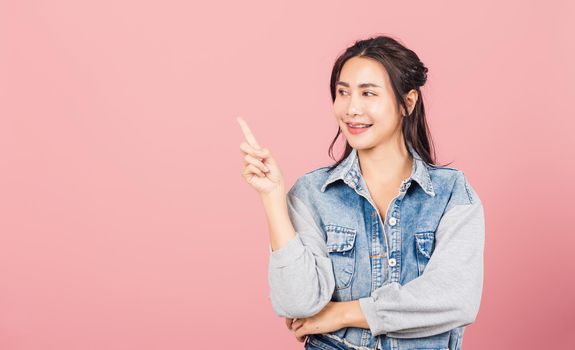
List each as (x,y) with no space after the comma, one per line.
(289,322)
(329,319)
(260,169)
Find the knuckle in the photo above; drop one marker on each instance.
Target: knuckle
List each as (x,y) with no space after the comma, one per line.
(254,169)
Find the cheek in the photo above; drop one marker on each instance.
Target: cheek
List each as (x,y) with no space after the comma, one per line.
(339,111)
(376,111)
(381,111)
(337,106)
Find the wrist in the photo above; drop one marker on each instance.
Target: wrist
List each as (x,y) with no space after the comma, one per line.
(344,314)
(274,195)
(352,316)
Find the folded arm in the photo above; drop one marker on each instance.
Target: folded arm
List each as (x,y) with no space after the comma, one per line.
(448,293)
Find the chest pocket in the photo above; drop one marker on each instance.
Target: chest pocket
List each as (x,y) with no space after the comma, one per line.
(424,244)
(341,248)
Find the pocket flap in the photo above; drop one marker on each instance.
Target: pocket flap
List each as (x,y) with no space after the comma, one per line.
(424,241)
(339,238)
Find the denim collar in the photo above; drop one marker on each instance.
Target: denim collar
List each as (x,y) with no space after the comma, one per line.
(349,170)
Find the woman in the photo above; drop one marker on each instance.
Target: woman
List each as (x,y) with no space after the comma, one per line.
(383,249)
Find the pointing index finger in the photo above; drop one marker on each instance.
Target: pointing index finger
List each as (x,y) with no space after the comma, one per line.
(250,138)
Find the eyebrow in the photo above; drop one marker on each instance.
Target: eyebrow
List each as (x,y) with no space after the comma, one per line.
(362,85)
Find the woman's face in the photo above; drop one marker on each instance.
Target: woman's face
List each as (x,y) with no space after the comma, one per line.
(364,96)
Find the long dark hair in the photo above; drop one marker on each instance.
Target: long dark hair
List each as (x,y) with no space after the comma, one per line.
(406,72)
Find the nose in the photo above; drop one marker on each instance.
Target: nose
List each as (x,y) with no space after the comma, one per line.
(353,107)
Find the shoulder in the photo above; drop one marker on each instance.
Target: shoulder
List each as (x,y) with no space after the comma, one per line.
(309,184)
(304,198)
(454,183)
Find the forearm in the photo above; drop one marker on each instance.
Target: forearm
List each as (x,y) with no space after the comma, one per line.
(280,228)
(352,316)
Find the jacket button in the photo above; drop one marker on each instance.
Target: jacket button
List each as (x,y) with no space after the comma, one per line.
(392,262)
(392,221)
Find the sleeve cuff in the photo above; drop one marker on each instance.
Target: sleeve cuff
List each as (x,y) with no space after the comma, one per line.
(287,254)
(367,306)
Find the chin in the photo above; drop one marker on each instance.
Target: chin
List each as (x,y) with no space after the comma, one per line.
(360,145)
(363,148)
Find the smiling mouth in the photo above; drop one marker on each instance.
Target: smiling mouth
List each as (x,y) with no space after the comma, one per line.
(359,126)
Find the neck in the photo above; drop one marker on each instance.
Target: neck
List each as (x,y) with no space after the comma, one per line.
(387,162)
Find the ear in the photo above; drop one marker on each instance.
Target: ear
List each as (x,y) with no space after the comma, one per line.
(410,100)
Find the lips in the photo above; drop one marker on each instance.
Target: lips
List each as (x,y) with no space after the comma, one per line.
(358,128)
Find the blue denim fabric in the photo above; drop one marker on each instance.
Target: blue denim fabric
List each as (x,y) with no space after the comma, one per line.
(343,251)
(321,342)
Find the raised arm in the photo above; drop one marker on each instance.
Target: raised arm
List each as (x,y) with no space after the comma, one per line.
(300,272)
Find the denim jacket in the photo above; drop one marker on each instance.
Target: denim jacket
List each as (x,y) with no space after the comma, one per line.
(418,276)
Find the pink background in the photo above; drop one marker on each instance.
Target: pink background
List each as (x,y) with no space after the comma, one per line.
(125,222)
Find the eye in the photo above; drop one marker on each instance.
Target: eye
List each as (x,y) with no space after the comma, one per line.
(369,92)
(341,91)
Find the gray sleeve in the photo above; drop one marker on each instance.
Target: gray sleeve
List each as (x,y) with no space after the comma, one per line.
(300,273)
(448,293)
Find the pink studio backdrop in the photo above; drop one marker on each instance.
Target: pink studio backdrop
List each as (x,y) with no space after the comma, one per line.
(125,222)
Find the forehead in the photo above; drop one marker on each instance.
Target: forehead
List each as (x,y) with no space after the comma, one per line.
(363,70)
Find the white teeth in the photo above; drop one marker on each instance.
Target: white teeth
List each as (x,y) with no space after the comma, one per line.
(359,125)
